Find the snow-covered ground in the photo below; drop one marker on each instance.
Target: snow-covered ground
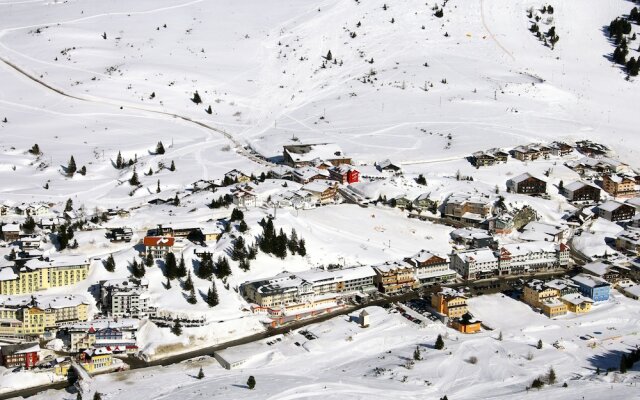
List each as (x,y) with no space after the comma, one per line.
(347,361)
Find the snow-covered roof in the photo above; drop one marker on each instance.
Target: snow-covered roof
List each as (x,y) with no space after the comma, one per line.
(311,152)
(7,274)
(523,177)
(478,255)
(392,266)
(610,205)
(11,228)
(576,299)
(633,290)
(597,268)
(317,186)
(589,280)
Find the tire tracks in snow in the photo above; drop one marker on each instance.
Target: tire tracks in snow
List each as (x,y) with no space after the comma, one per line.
(486,27)
(237,145)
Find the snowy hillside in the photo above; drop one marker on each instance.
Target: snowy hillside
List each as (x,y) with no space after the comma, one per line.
(258,64)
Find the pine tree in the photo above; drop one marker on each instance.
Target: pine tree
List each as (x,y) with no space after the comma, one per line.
(280,249)
(150,172)
(302,249)
(83,170)
(623,364)
(192,297)
(500,336)
(173,166)
(416,354)
(200,373)
(110,264)
(421,180)
(158,187)
(79,396)
(71,167)
(12,255)
(222,268)
(329,56)
(149,261)
(239,252)
(539,346)
(69,205)
(196,98)
(292,244)
(176,200)
(439,343)
(137,269)
(236,215)
(243,227)
(205,270)
(182,268)
(188,283)
(251,382)
(244,264)
(35,150)
(97,396)
(560,185)
(168,284)
(209,110)
(159,148)
(551,376)
(177,328)
(119,161)
(29,224)
(212,295)
(171,268)
(134,181)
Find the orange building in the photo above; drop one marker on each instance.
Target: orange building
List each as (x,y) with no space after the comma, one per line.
(466,324)
(450,303)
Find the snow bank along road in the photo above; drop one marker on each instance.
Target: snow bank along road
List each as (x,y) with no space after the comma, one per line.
(238,147)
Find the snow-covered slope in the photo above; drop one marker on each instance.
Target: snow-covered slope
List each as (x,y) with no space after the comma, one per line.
(259,65)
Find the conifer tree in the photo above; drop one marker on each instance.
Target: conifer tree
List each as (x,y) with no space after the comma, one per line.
(69,205)
(119,161)
(110,264)
(212,295)
(35,150)
(200,373)
(302,249)
(188,283)
(196,98)
(134,181)
(439,343)
(243,227)
(83,170)
(292,244)
(329,56)
(158,187)
(192,299)
(251,382)
(159,148)
(209,110)
(539,346)
(222,268)
(244,264)
(173,166)
(551,376)
(97,396)
(182,268)
(170,266)
(416,354)
(177,328)
(149,261)
(71,167)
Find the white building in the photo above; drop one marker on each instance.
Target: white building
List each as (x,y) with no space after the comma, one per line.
(125,298)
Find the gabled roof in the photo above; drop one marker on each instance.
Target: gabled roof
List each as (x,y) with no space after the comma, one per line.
(166,241)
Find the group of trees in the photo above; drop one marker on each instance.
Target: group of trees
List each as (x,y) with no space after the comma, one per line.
(208,267)
(278,244)
(243,253)
(619,29)
(173,269)
(137,268)
(64,236)
(627,361)
(121,163)
(222,201)
(72,168)
(549,378)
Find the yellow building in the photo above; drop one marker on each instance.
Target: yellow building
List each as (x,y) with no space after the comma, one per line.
(392,277)
(553,307)
(450,303)
(33,315)
(577,303)
(62,368)
(96,359)
(536,292)
(38,275)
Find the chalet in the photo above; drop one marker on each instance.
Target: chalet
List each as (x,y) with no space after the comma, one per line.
(345,174)
(581,191)
(526,153)
(305,175)
(560,149)
(619,185)
(400,201)
(158,246)
(526,184)
(306,155)
(393,277)
(450,303)
(632,291)
(615,211)
(629,240)
(482,159)
(11,232)
(24,355)
(235,176)
(30,242)
(592,149)
(4,209)
(244,198)
(388,166)
(430,268)
(467,208)
(322,192)
(605,270)
(424,202)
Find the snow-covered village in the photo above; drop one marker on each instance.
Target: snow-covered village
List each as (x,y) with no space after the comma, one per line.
(343,199)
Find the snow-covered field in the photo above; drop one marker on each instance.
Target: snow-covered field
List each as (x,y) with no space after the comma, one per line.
(91,78)
(347,361)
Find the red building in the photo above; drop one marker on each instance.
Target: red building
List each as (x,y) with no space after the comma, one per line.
(158,246)
(24,355)
(345,174)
